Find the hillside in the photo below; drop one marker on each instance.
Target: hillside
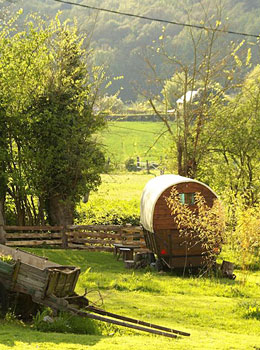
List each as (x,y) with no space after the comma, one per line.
(121,42)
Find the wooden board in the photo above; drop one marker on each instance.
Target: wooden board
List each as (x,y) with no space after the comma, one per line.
(33,235)
(33,243)
(162,218)
(33,228)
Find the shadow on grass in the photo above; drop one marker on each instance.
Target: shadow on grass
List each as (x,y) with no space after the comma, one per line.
(11,334)
(98,261)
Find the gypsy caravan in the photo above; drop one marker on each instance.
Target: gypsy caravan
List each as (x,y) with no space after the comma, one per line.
(161,233)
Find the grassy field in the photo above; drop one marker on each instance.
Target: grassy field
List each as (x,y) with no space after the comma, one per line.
(220,314)
(124,140)
(212,310)
(118,196)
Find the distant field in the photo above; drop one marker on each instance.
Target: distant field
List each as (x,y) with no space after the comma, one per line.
(122,186)
(124,140)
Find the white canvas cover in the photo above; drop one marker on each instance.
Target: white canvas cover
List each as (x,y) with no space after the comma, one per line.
(152,191)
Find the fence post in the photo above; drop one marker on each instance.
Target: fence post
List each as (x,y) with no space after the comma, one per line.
(64,237)
(147,167)
(138,162)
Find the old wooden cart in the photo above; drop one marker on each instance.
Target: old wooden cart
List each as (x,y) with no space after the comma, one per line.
(53,285)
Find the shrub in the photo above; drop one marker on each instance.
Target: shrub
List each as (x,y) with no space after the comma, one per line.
(130,165)
(64,323)
(246,236)
(7,259)
(205,226)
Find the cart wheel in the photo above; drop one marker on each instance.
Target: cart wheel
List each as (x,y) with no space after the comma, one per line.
(3,300)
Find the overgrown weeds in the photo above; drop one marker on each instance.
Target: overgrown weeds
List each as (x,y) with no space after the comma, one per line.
(249,309)
(64,323)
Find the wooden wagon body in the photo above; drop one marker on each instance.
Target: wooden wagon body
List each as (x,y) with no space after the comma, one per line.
(36,276)
(160,230)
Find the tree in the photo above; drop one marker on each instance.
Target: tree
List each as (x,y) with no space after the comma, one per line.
(19,79)
(203,82)
(67,160)
(237,148)
(47,98)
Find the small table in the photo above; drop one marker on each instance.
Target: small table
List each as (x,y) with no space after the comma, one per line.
(126,250)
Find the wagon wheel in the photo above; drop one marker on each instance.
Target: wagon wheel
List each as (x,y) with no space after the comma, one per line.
(3,300)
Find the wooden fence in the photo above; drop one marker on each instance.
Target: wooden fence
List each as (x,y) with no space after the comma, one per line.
(88,237)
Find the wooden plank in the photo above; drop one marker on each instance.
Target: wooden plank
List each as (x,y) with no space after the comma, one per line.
(162,218)
(190,261)
(95,227)
(132,229)
(6,269)
(33,243)
(33,228)
(93,234)
(22,235)
(141,243)
(85,234)
(134,234)
(91,241)
(31,281)
(91,248)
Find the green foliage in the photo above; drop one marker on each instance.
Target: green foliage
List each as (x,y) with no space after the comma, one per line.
(7,259)
(11,318)
(235,156)
(120,39)
(116,202)
(64,323)
(48,88)
(107,212)
(250,309)
(244,235)
(109,104)
(204,227)
(130,165)
(176,87)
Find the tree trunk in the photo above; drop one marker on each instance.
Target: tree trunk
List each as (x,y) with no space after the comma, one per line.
(2,231)
(60,211)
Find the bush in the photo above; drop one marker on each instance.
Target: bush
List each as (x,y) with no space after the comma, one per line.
(64,323)
(205,227)
(246,236)
(7,259)
(130,165)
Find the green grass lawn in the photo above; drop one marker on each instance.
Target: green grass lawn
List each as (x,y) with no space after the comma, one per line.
(119,195)
(211,309)
(124,140)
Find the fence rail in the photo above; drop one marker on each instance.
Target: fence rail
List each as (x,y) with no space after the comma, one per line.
(87,237)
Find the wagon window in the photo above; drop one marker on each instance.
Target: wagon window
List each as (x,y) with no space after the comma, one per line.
(187,198)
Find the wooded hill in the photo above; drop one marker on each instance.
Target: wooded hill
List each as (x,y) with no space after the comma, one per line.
(122,43)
